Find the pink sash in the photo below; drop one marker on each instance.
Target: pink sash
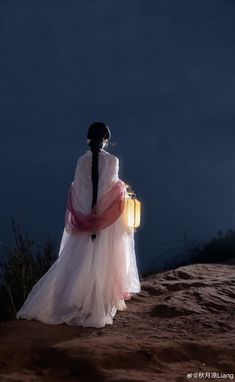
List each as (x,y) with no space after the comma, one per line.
(106,211)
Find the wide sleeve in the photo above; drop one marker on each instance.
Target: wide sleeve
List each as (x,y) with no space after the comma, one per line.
(77,170)
(80,185)
(112,175)
(115,169)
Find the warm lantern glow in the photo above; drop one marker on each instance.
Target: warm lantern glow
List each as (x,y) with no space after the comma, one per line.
(132,211)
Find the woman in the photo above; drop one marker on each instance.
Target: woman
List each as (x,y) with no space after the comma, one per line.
(96,267)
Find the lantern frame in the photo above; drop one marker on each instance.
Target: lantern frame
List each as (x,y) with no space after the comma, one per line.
(136,210)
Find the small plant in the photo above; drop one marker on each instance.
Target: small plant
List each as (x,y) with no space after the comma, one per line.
(220,247)
(21,267)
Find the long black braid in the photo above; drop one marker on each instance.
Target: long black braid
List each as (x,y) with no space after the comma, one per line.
(97,133)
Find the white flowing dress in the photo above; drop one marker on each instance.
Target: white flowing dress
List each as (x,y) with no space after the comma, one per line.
(80,286)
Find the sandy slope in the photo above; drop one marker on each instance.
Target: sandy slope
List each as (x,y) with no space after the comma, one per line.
(182,321)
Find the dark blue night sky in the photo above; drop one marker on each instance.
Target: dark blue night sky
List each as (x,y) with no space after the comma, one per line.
(161,74)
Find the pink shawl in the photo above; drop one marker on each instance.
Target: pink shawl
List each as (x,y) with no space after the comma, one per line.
(106,211)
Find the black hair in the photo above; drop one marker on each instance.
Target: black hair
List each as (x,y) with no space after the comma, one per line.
(97,133)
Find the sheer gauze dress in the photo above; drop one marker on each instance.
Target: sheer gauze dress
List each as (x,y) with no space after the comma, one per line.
(83,285)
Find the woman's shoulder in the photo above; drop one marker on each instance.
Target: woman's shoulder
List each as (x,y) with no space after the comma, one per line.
(102,152)
(110,158)
(105,154)
(108,154)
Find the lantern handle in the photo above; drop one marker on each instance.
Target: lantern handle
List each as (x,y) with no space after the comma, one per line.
(128,187)
(130,192)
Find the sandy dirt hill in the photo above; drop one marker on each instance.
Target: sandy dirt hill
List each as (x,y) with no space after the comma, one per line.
(182,323)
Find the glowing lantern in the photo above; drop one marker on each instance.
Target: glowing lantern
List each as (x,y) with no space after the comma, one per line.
(132,210)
